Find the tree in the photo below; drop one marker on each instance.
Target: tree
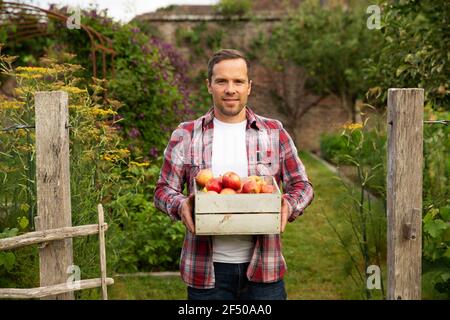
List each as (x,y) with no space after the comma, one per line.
(294,100)
(331,44)
(414,52)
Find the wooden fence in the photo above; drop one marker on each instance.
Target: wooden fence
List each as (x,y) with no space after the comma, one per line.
(54,230)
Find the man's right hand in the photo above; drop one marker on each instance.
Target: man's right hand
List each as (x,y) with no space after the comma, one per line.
(187,211)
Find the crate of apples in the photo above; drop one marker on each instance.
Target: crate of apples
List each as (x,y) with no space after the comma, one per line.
(230,204)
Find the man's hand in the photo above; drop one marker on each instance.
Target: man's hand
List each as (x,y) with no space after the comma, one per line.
(284,214)
(187,211)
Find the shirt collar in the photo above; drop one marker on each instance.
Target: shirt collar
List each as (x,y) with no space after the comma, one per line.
(252,121)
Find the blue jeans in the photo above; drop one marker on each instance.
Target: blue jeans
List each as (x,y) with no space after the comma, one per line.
(232,284)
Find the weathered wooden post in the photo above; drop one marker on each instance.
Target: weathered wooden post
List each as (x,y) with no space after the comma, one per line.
(101,241)
(53,186)
(404,192)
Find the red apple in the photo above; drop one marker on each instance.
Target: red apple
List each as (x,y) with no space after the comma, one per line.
(267,188)
(231,180)
(251,186)
(203,177)
(228,191)
(256,178)
(214,185)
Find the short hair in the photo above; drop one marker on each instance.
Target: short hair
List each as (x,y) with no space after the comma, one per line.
(225,54)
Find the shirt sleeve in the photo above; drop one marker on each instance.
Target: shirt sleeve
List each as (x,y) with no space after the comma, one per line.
(169,188)
(297,188)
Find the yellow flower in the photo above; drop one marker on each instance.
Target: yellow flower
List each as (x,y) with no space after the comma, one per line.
(102,112)
(28,76)
(352,126)
(11,104)
(23,71)
(139,164)
(73,90)
(114,155)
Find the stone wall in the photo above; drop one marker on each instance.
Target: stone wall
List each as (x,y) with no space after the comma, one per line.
(240,34)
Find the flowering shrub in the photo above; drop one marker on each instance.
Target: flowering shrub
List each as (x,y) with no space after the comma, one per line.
(102,171)
(150,77)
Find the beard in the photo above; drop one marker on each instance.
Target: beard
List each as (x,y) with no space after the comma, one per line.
(230,112)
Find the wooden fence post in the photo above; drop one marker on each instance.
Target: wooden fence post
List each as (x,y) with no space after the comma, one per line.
(101,241)
(404,193)
(53,186)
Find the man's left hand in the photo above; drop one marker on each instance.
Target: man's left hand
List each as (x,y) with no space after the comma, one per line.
(284,214)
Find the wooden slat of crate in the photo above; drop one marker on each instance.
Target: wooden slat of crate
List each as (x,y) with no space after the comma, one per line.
(237,203)
(234,224)
(232,214)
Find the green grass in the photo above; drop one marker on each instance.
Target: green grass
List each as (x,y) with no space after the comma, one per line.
(315,258)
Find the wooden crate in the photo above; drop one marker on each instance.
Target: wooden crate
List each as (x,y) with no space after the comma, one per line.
(238,214)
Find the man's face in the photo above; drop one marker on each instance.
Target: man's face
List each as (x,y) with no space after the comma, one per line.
(230,87)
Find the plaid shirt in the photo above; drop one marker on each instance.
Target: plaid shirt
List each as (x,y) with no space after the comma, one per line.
(270,151)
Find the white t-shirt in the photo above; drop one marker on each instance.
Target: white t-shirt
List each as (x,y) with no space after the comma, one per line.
(229,153)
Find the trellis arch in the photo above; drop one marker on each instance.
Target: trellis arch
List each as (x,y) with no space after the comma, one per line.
(32,21)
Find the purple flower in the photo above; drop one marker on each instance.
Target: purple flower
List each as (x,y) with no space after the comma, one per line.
(118,127)
(135,30)
(141,116)
(134,133)
(117,117)
(153,152)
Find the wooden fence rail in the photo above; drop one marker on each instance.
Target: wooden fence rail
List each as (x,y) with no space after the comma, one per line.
(48,235)
(54,216)
(41,292)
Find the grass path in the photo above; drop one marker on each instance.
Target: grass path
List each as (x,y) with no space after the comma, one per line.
(312,251)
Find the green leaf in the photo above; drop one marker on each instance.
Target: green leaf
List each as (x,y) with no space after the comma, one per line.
(400,69)
(445,213)
(430,215)
(24,207)
(8,260)
(23,222)
(435,228)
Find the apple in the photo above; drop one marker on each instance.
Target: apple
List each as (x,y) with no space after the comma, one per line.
(267,188)
(213,192)
(228,191)
(251,186)
(203,177)
(256,178)
(231,180)
(214,185)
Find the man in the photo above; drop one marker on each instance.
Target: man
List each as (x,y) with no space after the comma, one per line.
(231,137)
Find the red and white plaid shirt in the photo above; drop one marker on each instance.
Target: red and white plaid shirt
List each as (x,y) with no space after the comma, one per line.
(270,151)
